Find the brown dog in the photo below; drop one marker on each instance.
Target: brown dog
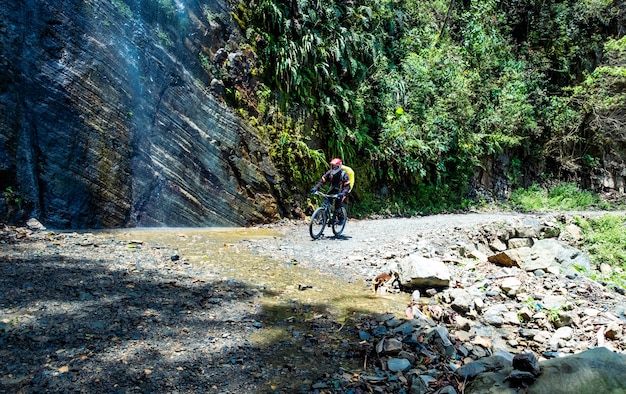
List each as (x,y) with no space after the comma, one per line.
(383,280)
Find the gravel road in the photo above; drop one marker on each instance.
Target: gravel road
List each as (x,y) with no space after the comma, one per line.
(366,245)
(86,313)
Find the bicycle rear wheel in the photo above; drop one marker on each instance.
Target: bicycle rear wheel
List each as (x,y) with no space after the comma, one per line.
(318,222)
(339,225)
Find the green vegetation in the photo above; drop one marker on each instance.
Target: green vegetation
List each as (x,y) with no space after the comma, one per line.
(605,241)
(164,38)
(564,196)
(553,315)
(531,304)
(12,197)
(123,8)
(426,199)
(418,96)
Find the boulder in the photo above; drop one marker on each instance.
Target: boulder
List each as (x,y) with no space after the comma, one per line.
(416,271)
(548,255)
(590,372)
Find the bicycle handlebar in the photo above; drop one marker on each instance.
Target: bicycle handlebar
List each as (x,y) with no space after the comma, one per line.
(319,193)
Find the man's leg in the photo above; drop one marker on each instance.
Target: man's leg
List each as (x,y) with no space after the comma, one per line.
(338,213)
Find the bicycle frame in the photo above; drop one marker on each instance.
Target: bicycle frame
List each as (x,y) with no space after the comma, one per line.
(325,216)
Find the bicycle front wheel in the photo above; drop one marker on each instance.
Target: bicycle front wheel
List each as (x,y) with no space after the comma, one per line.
(340,221)
(318,222)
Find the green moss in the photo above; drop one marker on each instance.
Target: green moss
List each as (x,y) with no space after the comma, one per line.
(123,8)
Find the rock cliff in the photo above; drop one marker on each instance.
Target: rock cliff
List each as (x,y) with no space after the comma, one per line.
(107,118)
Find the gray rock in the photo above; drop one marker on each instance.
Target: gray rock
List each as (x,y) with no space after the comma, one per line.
(446,390)
(551,302)
(461,300)
(34,224)
(416,271)
(471,370)
(528,231)
(520,379)
(494,315)
(589,372)
(398,364)
(550,230)
(551,251)
(497,245)
(389,346)
(515,243)
(527,362)
(441,339)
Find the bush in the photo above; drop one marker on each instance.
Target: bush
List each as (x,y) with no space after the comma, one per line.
(565,196)
(605,242)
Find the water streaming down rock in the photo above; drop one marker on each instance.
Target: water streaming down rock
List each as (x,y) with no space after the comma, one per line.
(107,120)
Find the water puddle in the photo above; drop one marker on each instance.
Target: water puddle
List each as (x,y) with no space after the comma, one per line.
(282,282)
(304,311)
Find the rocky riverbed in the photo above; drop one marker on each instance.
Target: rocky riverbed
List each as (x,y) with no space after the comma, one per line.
(85,312)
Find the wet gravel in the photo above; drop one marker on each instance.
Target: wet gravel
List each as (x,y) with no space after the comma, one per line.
(91,313)
(82,313)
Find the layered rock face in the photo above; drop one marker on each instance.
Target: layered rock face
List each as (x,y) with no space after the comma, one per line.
(106,118)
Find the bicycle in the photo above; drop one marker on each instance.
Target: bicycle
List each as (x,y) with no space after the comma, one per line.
(325,216)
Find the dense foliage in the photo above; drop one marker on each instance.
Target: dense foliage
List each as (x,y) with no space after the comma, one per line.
(416,95)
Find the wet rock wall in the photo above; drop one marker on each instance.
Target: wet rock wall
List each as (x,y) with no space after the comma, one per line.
(107,118)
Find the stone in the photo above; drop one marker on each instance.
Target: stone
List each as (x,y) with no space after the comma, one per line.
(592,371)
(509,258)
(563,333)
(398,364)
(494,314)
(446,390)
(497,245)
(461,300)
(35,225)
(481,341)
(463,323)
(477,254)
(389,346)
(515,243)
(606,269)
(462,336)
(479,304)
(416,271)
(550,230)
(573,232)
(525,314)
(441,339)
(511,285)
(553,302)
(553,252)
(526,362)
(471,370)
(521,379)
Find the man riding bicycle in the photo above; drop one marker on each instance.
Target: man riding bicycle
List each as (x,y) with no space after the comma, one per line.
(339,183)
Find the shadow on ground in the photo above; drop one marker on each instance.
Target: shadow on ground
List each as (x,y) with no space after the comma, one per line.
(123,321)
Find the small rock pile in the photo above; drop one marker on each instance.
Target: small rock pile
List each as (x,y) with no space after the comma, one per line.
(421,355)
(516,296)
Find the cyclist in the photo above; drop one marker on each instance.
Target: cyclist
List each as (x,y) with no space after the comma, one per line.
(339,183)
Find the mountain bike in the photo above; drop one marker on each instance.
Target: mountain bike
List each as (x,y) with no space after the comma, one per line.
(325,216)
